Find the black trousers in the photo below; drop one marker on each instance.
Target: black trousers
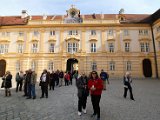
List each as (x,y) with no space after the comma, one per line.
(95,103)
(51,85)
(25,88)
(82,103)
(130,90)
(44,89)
(19,86)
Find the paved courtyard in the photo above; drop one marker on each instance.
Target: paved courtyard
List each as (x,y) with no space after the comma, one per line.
(62,103)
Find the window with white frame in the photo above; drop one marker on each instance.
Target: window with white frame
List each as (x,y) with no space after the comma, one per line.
(94,66)
(72,47)
(20,48)
(111,47)
(52,33)
(51,47)
(125,32)
(20,34)
(5,34)
(93,32)
(127,47)
(35,33)
(33,65)
(143,32)
(93,47)
(144,47)
(3,48)
(73,32)
(50,66)
(112,66)
(128,66)
(18,66)
(34,47)
(110,32)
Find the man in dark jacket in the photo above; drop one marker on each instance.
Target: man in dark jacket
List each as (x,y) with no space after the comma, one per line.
(19,80)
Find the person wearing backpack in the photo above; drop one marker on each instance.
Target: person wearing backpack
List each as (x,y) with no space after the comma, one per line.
(104,77)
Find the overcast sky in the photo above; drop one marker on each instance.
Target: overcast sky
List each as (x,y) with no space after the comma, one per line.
(56,7)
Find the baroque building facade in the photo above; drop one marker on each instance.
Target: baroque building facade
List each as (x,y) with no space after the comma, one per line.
(114,42)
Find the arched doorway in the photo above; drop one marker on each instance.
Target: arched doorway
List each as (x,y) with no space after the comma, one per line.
(2,67)
(147,68)
(72,65)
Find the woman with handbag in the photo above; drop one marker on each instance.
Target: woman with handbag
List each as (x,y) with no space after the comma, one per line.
(7,83)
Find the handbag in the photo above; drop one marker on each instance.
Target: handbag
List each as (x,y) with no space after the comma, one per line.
(2,85)
(40,83)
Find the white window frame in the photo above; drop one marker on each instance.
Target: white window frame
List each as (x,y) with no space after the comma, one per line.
(93,32)
(93,47)
(72,47)
(33,65)
(142,45)
(50,66)
(5,34)
(93,66)
(20,48)
(111,47)
(51,47)
(112,66)
(18,66)
(21,34)
(145,47)
(126,32)
(127,46)
(110,32)
(73,32)
(128,66)
(4,48)
(34,47)
(36,33)
(52,33)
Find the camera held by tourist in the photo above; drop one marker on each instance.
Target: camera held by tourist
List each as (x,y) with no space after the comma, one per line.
(95,85)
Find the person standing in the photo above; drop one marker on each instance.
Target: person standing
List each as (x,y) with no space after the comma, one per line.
(104,77)
(7,83)
(28,79)
(61,77)
(52,80)
(44,80)
(25,84)
(95,85)
(33,83)
(19,80)
(127,85)
(83,93)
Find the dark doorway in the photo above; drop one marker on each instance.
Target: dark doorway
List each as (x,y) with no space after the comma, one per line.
(2,67)
(72,65)
(147,68)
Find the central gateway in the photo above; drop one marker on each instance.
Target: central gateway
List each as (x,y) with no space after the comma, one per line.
(72,65)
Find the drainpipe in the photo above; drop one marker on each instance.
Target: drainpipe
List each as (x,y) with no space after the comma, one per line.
(155,55)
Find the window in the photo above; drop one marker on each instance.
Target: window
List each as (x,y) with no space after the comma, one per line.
(144,47)
(50,66)
(94,66)
(93,32)
(125,32)
(3,48)
(5,34)
(21,34)
(34,48)
(18,66)
(128,66)
(20,48)
(72,47)
(143,32)
(73,32)
(110,32)
(51,48)
(33,65)
(111,47)
(35,33)
(127,45)
(52,33)
(112,66)
(93,47)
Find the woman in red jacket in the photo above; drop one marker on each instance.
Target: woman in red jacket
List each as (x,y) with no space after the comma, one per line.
(95,85)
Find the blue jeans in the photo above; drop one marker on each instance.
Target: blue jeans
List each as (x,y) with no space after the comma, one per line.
(33,90)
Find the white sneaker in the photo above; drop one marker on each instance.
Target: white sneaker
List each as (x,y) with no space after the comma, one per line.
(79,113)
(84,111)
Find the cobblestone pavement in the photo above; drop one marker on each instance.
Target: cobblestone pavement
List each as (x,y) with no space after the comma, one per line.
(62,103)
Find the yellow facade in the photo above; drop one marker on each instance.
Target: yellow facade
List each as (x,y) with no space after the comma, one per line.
(114,63)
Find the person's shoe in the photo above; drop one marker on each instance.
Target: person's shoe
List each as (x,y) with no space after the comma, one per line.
(28,98)
(133,99)
(84,111)
(46,96)
(93,115)
(79,113)
(34,97)
(41,97)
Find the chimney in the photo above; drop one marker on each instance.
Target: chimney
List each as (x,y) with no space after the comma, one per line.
(24,14)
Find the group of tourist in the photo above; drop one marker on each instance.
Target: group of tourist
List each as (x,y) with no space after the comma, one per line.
(92,84)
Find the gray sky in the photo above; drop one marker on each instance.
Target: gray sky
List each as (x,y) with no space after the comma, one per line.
(52,7)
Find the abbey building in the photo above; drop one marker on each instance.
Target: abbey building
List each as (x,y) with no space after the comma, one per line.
(114,42)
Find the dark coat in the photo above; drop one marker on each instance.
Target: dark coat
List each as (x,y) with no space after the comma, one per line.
(47,80)
(7,81)
(81,84)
